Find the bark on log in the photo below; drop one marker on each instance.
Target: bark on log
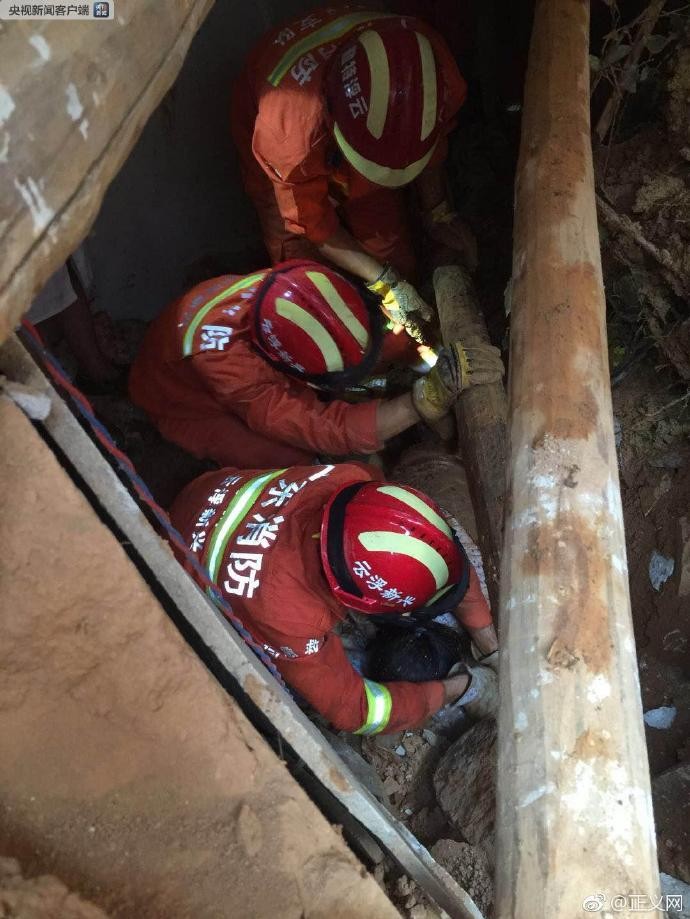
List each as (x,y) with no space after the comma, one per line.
(73,100)
(574,813)
(481,414)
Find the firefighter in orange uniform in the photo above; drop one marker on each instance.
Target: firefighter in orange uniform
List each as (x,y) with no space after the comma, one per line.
(230,371)
(291,549)
(334,114)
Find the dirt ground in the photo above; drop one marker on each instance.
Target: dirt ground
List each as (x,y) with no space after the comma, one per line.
(655,484)
(643,171)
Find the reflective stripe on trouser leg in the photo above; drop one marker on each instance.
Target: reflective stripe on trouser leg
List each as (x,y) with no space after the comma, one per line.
(379,707)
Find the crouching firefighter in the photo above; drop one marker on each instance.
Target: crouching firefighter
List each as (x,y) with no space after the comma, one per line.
(292,549)
(335,116)
(231,370)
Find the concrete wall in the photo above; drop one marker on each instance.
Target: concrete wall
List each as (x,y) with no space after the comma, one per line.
(179,197)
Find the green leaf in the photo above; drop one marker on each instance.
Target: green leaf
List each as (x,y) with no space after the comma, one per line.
(656,43)
(615,54)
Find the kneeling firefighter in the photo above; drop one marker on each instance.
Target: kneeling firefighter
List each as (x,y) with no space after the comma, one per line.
(230,370)
(292,549)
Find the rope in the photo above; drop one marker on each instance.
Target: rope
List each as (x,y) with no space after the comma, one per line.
(84,408)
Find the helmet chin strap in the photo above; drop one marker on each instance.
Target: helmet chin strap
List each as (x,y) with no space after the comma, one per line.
(449,601)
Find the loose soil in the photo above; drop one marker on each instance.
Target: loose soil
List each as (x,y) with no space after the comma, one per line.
(654,457)
(43,897)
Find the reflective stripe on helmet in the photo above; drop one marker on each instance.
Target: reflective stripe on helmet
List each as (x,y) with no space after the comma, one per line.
(379,708)
(429,89)
(421,507)
(330,32)
(325,287)
(381,175)
(232,517)
(243,283)
(380,82)
(402,544)
(311,327)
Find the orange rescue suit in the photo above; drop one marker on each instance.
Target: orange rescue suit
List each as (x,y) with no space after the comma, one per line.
(292,168)
(257,533)
(200,380)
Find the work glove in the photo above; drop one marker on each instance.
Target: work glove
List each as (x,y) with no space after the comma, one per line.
(445,226)
(400,301)
(486,660)
(456,369)
(480,699)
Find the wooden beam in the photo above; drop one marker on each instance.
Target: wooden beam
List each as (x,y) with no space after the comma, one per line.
(574,807)
(74,99)
(481,414)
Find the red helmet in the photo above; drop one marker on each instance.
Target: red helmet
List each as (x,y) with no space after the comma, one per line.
(386,96)
(313,324)
(386,548)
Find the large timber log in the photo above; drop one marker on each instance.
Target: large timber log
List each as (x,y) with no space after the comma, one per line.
(481,414)
(574,808)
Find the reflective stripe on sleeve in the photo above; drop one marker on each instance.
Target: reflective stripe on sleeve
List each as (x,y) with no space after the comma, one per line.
(379,707)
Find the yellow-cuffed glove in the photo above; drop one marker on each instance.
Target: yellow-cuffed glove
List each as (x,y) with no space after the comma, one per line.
(399,298)
(456,369)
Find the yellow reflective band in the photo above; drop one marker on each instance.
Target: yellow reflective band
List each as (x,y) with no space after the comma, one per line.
(380,81)
(325,287)
(314,330)
(379,708)
(231,518)
(421,507)
(402,544)
(242,284)
(428,85)
(381,175)
(331,32)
